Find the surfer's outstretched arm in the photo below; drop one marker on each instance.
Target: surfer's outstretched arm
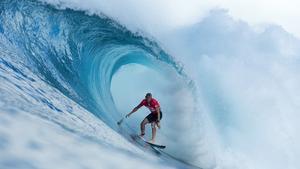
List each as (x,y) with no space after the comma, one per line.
(134,110)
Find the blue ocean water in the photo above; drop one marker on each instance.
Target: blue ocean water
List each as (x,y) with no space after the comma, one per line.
(229,92)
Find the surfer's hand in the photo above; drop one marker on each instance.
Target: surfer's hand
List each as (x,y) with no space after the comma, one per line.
(158,124)
(127,115)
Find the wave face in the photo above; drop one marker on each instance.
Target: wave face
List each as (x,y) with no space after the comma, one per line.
(59,64)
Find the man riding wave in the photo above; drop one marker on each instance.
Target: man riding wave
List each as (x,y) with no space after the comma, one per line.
(154,117)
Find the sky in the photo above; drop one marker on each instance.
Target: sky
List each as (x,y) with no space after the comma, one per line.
(159,16)
(282,12)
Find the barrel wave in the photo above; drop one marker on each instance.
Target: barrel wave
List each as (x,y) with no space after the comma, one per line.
(58,65)
(70,70)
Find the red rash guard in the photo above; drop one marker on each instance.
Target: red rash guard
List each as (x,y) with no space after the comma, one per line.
(151,106)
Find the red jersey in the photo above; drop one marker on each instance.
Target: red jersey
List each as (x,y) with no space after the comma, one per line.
(151,106)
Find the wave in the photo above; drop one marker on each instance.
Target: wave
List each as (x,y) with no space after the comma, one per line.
(231,101)
(77,55)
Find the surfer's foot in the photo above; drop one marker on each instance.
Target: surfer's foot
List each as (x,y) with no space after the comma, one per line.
(151,141)
(142,134)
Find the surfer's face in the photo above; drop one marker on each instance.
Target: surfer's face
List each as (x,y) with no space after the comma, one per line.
(148,98)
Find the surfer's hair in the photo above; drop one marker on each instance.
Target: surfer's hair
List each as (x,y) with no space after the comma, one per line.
(148,95)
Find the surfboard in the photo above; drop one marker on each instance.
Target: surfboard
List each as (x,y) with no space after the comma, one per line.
(153,145)
(156,145)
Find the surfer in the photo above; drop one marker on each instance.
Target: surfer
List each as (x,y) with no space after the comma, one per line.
(153,118)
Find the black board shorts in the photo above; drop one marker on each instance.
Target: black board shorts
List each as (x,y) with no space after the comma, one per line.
(153,117)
